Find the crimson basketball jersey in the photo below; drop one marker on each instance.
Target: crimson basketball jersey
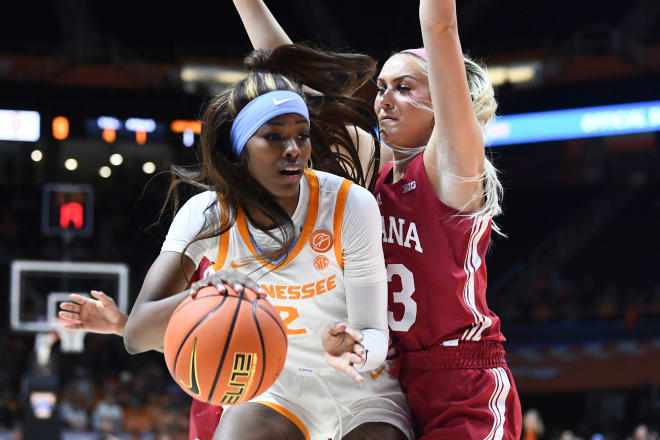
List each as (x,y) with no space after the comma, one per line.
(204,417)
(435,265)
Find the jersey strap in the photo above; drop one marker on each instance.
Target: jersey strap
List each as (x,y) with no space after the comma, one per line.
(310,221)
(223,247)
(342,194)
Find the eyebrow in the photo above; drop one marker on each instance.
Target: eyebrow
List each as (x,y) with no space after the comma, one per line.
(399,78)
(281,124)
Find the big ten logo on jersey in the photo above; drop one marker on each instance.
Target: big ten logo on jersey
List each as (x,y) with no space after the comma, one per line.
(409,186)
(242,375)
(402,231)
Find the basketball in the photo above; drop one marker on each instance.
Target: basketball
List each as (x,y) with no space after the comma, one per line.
(225,349)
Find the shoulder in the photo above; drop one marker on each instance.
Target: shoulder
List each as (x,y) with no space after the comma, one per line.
(206,199)
(332,183)
(360,203)
(327,182)
(199,203)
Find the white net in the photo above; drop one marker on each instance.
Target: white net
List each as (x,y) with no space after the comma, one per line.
(43,345)
(71,341)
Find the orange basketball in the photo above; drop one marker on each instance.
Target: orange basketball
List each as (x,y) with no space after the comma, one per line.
(225,349)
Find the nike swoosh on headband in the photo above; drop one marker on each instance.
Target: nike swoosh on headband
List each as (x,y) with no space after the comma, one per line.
(281,101)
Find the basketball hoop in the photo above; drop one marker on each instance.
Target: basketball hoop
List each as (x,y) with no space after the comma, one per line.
(71,341)
(43,345)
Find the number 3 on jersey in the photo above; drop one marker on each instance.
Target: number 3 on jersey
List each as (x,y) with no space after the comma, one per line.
(404,296)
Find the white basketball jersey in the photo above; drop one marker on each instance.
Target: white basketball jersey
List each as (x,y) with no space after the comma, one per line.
(307,288)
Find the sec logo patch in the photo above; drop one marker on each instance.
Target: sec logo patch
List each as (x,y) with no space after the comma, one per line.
(321,241)
(321,262)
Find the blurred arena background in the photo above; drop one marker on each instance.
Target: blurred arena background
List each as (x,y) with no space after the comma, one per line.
(101,97)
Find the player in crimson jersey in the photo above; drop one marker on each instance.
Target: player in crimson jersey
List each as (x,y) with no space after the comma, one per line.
(101,315)
(437,199)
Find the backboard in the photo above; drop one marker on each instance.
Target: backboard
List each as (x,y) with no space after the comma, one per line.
(37,288)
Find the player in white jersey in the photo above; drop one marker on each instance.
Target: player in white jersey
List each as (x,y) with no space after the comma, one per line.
(310,239)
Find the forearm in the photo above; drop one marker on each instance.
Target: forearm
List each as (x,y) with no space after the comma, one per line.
(375,345)
(367,312)
(145,328)
(262,28)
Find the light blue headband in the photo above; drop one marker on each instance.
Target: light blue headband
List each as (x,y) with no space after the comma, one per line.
(261,110)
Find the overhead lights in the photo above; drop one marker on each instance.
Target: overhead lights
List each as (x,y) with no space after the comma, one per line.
(109,125)
(188,128)
(70,164)
(105,171)
(116,159)
(209,77)
(205,73)
(19,125)
(149,167)
(36,155)
(522,73)
(60,128)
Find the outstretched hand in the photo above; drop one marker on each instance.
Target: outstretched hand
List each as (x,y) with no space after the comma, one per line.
(98,315)
(220,279)
(343,349)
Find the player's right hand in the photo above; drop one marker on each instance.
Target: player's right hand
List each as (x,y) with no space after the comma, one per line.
(98,315)
(226,277)
(343,349)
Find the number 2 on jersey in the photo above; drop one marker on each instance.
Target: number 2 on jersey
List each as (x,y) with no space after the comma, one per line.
(404,296)
(290,314)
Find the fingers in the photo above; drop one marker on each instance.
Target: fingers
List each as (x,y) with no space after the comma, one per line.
(105,299)
(224,280)
(336,328)
(359,350)
(355,358)
(345,363)
(78,299)
(73,326)
(247,282)
(65,319)
(355,334)
(69,316)
(353,373)
(70,307)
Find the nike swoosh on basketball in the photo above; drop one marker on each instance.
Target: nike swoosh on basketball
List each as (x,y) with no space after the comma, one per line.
(193,387)
(281,101)
(238,265)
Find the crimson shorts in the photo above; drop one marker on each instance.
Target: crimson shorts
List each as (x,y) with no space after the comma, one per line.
(461,393)
(204,418)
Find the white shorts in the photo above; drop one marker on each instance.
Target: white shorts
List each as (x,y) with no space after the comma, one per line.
(332,405)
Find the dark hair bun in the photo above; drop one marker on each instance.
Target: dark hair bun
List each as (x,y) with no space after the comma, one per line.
(258,60)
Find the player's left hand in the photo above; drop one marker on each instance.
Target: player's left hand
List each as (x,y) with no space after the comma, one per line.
(343,349)
(98,314)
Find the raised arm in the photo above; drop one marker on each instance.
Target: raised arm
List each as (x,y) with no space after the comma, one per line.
(454,156)
(266,33)
(262,28)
